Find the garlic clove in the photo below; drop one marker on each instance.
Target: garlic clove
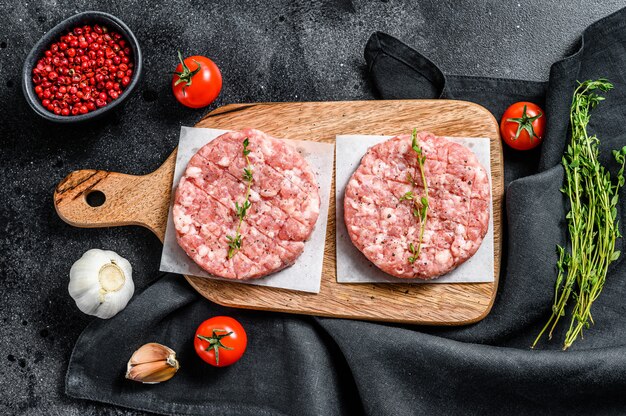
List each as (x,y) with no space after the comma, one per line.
(151,373)
(152,363)
(109,308)
(151,352)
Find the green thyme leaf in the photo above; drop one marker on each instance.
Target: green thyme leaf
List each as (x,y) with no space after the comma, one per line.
(406,197)
(234,244)
(247,174)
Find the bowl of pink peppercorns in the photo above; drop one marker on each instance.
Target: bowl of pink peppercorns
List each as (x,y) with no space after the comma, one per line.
(83,67)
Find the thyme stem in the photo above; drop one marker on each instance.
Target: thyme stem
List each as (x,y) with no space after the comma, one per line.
(235,242)
(420,208)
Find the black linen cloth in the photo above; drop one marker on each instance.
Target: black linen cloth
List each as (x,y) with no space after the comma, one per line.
(298,365)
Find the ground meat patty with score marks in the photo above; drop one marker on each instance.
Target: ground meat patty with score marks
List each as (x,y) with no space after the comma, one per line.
(284,198)
(382,227)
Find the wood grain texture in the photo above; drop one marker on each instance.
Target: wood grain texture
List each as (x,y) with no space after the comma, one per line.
(144,200)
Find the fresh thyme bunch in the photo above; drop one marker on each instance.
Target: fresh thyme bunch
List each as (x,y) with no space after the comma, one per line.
(592,220)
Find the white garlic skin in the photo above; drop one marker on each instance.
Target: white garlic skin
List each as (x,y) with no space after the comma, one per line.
(86,288)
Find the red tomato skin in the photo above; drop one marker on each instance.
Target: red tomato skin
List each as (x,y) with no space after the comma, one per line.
(238,340)
(508,129)
(205,85)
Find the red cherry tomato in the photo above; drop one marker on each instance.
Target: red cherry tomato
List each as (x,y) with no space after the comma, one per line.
(197,81)
(523,125)
(220,341)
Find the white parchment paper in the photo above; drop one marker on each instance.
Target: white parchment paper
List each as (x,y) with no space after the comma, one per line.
(354,267)
(305,275)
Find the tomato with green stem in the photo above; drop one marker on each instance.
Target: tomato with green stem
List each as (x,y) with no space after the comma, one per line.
(522,125)
(197,81)
(220,341)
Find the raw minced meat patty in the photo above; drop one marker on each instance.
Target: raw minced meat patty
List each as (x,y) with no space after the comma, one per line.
(285,204)
(382,227)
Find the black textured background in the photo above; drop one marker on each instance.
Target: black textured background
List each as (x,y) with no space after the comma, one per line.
(267,51)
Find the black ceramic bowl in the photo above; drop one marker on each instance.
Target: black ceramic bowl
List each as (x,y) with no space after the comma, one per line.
(52,36)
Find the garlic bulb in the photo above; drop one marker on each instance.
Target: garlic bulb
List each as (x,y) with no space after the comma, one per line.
(101,283)
(152,363)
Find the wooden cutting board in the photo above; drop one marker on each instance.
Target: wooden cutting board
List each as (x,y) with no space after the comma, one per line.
(144,200)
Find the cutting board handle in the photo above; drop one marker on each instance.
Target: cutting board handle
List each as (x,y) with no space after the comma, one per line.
(97,198)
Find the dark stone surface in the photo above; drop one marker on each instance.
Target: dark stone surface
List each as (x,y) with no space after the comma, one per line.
(278,51)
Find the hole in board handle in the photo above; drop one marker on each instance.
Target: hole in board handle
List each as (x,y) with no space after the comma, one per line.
(95,198)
